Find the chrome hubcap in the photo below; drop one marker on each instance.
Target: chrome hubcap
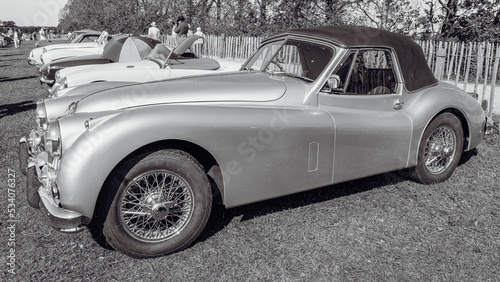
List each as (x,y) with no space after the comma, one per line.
(440,150)
(156,205)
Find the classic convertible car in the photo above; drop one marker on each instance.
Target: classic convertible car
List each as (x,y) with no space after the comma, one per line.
(161,63)
(48,70)
(55,51)
(143,162)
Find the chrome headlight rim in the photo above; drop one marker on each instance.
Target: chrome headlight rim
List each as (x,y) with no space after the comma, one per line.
(53,140)
(41,114)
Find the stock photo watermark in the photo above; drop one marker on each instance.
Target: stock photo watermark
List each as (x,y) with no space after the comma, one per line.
(11,222)
(49,9)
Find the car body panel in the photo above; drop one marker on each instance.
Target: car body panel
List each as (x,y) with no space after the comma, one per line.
(35,56)
(48,71)
(143,71)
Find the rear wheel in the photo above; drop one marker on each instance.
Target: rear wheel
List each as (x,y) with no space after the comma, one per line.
(161,204)
(440,149)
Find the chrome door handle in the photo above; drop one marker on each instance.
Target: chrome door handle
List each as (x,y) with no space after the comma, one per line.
(398,104)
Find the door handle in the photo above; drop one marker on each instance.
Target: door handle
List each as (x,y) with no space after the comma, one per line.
(398,104)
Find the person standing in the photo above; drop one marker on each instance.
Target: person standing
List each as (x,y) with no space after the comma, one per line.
(198,44)
(16,38)
(42,34)
(154,32)
(182,26)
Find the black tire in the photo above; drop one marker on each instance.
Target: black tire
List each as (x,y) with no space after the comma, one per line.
(167,216)
(32,185)
(440,149)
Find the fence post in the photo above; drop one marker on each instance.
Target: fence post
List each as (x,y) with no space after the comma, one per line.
(458,68)
(486,69)
(494,82)
(440,60)
(467,69)
(480,61)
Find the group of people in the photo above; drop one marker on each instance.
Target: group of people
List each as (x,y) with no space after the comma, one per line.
(16,34)
(180,28)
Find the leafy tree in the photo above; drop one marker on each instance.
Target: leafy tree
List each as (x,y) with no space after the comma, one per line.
(427,22)
(479,21)
(392,15)
(450,8)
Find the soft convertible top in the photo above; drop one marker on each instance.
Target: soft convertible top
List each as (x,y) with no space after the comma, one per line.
(416,72)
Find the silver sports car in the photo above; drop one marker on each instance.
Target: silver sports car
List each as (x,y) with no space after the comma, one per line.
(143,162)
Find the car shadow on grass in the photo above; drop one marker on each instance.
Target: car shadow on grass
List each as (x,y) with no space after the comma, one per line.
(5,79)
(221,217)
(11,109)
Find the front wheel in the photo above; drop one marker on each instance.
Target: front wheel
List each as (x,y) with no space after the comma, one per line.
(440,149)
(161,204)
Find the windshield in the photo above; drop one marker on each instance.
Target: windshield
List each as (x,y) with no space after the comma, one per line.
(293,57)
(77,39)
(160,54)
(103,39)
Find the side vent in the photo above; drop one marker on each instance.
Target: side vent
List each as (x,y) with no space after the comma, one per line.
(312,164)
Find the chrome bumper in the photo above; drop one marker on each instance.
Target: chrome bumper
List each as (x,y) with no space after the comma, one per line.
(32,62)
(46,81)
(39,181)
(62,219)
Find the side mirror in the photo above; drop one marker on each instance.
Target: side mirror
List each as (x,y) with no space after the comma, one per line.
(332,83)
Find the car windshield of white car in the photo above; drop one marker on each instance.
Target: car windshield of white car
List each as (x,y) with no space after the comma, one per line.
(305,60)
(77,39)
(103,39)
(160,52)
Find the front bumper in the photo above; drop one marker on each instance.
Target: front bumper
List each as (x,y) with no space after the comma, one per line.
(41,181)
(32,62)
(43,79)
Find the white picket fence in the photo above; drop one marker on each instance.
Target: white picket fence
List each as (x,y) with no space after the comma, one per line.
(470,66)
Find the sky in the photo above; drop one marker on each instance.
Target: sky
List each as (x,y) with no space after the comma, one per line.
(31,12)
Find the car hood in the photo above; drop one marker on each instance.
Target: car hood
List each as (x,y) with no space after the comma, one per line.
(70,46)
(228,87)
(79,60)
(64,53)
(57,106)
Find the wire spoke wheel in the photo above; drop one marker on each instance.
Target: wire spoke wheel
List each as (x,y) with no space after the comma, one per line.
(156,205)
(440,149)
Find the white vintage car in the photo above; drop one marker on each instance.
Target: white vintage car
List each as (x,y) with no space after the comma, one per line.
(161,63)
(56,50)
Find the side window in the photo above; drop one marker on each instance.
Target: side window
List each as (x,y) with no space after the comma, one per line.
(372,73)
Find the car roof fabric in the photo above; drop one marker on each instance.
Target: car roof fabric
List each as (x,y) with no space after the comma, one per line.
(415,70)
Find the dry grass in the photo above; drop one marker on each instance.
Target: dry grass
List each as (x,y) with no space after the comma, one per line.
(382,228)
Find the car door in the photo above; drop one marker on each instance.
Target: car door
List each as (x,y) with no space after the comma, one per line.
(372,133)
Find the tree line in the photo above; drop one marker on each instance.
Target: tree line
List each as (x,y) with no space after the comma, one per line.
(459,20)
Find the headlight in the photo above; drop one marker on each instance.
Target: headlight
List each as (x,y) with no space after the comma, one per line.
(53,144)
(41,114)
(64,83)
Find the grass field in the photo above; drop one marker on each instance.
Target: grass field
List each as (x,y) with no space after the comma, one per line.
(382,228)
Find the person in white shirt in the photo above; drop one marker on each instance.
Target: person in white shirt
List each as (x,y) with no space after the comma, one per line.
(154,32)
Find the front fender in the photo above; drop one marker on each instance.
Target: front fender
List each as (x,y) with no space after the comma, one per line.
(262,152)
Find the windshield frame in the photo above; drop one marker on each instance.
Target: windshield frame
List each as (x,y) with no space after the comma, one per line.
(301,61)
